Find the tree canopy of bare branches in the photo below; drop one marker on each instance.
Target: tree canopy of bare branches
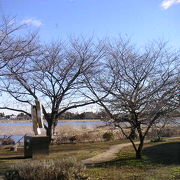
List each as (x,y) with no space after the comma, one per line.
(13,46)
(142,87)
(54,77)
(136,87)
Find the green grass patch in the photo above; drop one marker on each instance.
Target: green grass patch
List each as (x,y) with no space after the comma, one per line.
(161,161)
(79,151)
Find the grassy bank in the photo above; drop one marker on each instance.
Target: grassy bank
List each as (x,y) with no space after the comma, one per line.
(160,160)
(80,151)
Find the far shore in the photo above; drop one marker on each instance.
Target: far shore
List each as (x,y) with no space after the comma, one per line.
(22,129)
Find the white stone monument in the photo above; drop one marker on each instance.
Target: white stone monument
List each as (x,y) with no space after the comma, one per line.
(37,117)
(36,146)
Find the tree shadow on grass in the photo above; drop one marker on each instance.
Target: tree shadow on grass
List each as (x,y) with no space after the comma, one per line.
(168,153)
(12,158)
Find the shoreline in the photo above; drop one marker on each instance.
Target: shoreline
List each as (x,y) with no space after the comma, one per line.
(16,128)
(63,120)
(20,129)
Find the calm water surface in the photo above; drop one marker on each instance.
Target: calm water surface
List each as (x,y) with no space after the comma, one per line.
(72,123)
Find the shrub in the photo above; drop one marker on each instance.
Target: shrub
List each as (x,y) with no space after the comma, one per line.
(168,132)
(64,169)
(7,141)
(155,133)
(72,139)
(158,139)
(107,136)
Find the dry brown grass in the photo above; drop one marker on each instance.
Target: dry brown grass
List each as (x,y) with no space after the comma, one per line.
(83,134)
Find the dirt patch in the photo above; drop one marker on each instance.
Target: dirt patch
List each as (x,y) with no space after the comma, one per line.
(108,155)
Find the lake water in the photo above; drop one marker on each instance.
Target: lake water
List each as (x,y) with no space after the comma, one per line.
(16,138)
(75,124)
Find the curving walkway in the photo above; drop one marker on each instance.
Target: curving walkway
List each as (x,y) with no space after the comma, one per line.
(111,153)
(108,155)
(2,177)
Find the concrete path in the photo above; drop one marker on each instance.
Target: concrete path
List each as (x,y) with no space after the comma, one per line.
(108,155)
(111,153)
(2,177)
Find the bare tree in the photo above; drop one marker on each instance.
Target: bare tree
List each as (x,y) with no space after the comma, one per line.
(141,86)
(13,46)
(56,78)
(161,127)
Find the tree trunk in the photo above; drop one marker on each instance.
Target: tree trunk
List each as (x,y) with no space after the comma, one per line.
(139,150)
(138,154)
(49,129)
(132,133)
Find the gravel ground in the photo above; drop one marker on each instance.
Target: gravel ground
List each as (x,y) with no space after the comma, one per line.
(108,155)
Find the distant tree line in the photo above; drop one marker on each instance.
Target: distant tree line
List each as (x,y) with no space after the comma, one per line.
(72,116)
(64,116)
(81,116)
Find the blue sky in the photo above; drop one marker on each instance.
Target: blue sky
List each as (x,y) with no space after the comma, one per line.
(142,20)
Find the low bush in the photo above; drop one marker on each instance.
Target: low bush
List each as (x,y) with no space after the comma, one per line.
(7,141)
(70,135)
(73,139)
(169,132)
(107,136)
(158,139)
(64,169)
(155,133)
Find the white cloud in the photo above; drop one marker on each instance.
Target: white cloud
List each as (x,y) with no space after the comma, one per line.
(168,3)
(32,21)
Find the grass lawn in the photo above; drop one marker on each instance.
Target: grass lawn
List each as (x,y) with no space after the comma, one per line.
(80,151)
(160,160)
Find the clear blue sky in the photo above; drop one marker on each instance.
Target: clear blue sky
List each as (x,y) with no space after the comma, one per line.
(143,20)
